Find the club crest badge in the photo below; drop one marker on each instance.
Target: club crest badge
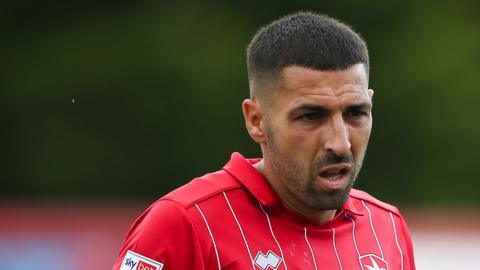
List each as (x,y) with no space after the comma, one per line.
(372,262)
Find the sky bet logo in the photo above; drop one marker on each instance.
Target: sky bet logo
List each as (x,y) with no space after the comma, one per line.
(135,261)
(131,263)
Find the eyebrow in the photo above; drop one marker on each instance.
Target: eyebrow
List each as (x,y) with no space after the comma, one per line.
(310,107)
(321,109)
(307,108)
(360,106)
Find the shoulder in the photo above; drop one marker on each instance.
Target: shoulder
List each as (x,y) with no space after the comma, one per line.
(361,199)
(202,188)
(175,208)
(175,213)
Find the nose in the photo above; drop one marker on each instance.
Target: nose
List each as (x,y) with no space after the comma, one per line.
(337,138)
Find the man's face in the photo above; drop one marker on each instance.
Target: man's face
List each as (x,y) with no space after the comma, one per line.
(317,129)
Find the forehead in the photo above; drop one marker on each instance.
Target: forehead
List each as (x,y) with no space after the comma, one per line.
(300,83)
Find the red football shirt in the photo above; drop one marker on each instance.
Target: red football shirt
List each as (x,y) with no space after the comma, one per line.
(232,220)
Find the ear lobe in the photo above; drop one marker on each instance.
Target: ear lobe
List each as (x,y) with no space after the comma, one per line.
(253,120)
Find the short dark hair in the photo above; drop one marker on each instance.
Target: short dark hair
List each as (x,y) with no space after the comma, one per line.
(305,39)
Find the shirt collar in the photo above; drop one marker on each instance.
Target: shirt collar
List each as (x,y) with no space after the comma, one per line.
(254,181)
(242,169)
(350,207)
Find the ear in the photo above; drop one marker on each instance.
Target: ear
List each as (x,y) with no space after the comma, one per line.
(370,93)
(253,120)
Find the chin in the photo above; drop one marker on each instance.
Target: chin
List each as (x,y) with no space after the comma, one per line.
(328,201)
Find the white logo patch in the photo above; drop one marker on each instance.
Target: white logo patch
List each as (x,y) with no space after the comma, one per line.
(372,262)
(265,261)
(135,261)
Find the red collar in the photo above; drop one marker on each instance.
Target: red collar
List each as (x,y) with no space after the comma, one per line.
(242,169)
(251,179)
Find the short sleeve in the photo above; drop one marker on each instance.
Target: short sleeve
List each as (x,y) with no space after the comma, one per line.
(163,233)
(408,244)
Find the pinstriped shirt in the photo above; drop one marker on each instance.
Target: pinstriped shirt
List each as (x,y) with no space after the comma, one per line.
(232,220)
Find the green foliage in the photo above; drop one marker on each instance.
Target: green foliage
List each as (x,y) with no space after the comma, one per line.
(158,87)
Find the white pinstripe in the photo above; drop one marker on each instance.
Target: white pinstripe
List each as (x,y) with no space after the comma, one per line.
(273,235)
(373,229)
(396,240)
(353,233)
(310,247)
(211,236)
(241,231)
(335,248)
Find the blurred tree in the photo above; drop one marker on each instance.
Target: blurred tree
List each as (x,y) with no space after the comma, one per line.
(158,88)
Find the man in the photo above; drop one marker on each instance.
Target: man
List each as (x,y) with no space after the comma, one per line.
(310,111)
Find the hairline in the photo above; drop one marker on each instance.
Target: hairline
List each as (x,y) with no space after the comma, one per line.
(274,79)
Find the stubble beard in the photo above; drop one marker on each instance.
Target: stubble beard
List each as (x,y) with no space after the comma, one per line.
(300,181)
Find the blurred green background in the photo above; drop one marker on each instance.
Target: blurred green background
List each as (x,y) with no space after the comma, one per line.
(158,86)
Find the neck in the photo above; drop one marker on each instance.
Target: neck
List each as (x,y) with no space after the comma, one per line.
(289,200)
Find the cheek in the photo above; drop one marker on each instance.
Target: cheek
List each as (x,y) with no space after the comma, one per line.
(359,139)
(295,144)
(306,140)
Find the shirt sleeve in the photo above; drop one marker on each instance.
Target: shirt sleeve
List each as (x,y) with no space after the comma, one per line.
(165,234)
(408,243)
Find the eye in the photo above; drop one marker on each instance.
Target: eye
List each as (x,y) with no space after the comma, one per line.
(356,113)
(310,117)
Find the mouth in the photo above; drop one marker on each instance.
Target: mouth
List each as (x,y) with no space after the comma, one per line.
(335,177)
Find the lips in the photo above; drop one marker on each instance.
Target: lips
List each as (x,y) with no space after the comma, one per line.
(335,176)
